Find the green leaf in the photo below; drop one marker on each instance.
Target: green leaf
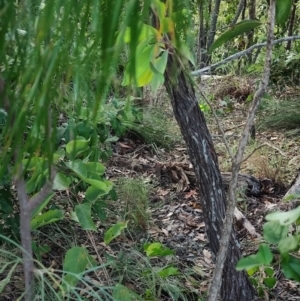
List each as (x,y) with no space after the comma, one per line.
(142,73)
(157,249)
(289,243)
(99,207)
(93,193)
(269,272)
(240,28)
(160,63)
(148,33)
(61,182)
(122,293)
(76,261)
(83,212)
(78,167)
(270,282)
(114,231)
(185,52)
(98,184)
(283,10)
(285,218)
(170,271)
(76,147)
(46,218)
(265,255)
(274,232)
(248,263)
(291,267)
(95,167)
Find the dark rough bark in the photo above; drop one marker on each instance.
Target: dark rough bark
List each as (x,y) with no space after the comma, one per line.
(235,285)
(291,24)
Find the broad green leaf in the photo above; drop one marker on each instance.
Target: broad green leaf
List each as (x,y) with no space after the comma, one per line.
(274,232)
(33,162)
(61,182)
(160,63)
(170,271)
(157,81)
(96,167)
(114,231)
(99,207)
(289,243)
(143,73)
(270,282)
(46,218)
(264,254)
(283,10)
(78,167)
(122,293)
(76,147)
(93,193)
(76,261)
(157,249)
(248,263)
(147,33)
(240,28)
(185,52)
(83,212)
(291,267)
(285,218)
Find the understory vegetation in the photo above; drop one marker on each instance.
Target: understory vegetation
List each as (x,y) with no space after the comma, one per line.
(99,199)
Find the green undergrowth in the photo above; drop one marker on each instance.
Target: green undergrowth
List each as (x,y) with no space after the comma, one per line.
(157,127)
(281,115)
(134,202)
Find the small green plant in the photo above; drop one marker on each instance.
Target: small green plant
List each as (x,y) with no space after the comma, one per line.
(276,232)
(134,195)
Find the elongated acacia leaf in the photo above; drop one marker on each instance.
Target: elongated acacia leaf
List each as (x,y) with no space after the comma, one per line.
(240,28)
(114,231)
(283,10)
(46,218)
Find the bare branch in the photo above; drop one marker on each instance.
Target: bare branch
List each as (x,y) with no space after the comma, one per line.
(240,54)
(217,277)
(262,145)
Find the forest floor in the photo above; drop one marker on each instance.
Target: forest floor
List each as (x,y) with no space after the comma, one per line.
(158,195)
(174,209)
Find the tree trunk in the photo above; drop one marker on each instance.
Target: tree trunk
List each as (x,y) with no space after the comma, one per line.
(235,285)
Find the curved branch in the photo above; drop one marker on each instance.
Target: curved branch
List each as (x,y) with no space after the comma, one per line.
(237,55)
